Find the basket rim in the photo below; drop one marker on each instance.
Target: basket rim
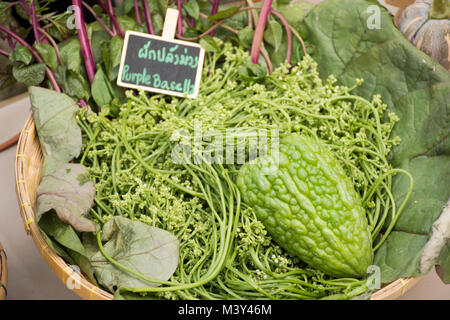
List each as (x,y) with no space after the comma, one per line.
(3,273)
(82,286)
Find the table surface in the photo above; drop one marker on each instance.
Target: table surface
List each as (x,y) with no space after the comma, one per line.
(30,277)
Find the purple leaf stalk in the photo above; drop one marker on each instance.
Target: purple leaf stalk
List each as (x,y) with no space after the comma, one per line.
(259,31)
(35,23)
(99,20)
(137,12)
(180,17)
(86,50)
(112,16)
(214,10)
(148,17)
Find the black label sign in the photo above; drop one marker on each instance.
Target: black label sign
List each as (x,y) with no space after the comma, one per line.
(161,65)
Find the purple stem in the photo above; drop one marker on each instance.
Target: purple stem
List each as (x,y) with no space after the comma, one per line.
(112,16)
(32,13)
(214,10)
(86,50)
(25,7)
(34,21)
(259,31)
(110,9)
(99,20)
(50,74)
(11,43)
(148,17)
(83,103)
(180,17)
(138,13)
(4,53)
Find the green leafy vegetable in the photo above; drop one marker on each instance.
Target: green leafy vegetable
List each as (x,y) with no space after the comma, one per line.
(31,75)
(274,35)
(208,44)
(101,89)
(245,37)
(149,251)
(223,14)
(63,233)
(444,262)
(57,248)
(21,54)
(67,191)
(192,8)
(73,83)
(71,55)
(48,54)
(59,134)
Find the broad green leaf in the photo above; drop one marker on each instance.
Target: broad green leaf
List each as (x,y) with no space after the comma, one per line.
(101,89)
(31,75)
(61,232)
(48,54)
(6,77)
(84,264)
(148,250)
(55,117)
(72,83)
(115,47)
(128,23)
(399,256)
(71,55)
(417,90)
(192,8)
(56,247)
(246,37)
(5,12)
(223,14)
(158,23)
(112,54)
(21,54)
(96,43)
(295,12)
(90,246)
(208,43)
(443,268)
(124,7)
(70,193)
(273,34)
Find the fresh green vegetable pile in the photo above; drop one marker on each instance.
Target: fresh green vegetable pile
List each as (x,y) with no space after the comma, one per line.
(225,251)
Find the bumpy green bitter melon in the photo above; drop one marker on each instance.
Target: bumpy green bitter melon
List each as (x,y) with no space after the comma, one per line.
(309,206)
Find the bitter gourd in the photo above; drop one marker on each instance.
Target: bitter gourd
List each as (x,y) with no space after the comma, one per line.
(309,206)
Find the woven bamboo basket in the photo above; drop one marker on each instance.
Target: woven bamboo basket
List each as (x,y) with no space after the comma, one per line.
(28,164)
(3,274)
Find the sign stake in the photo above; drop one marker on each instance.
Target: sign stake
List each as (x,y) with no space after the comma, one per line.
(170,24)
